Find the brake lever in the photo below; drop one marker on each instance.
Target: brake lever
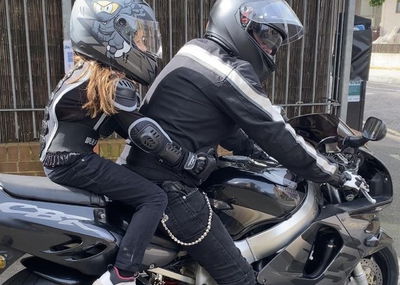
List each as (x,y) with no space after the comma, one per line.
(365,190)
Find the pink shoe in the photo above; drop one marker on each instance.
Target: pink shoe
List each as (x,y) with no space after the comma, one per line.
(112,277)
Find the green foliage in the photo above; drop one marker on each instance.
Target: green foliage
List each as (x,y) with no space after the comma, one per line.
(375,3)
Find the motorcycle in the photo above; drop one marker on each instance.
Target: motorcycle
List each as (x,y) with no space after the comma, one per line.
(291,231)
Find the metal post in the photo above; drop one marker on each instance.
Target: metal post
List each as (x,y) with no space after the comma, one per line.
(10,50)
(338,45)
(46,46)
(303,43)
(350,8)
(186,20)
(28,51)
(287,74)
(316,55)
(66,14)
(201,18)
(170,29)
(273,87)
(287,69)
(330,68)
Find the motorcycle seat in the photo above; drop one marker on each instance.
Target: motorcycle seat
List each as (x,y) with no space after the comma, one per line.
(43,189)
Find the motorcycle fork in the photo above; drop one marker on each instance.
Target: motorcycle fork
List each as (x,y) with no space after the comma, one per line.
(359,275)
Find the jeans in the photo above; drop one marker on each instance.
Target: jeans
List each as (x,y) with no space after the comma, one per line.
(188,218)
(104,177)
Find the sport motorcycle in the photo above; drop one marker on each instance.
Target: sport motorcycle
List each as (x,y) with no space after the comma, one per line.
(292,231)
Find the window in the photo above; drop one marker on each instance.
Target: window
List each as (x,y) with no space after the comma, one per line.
(398,6)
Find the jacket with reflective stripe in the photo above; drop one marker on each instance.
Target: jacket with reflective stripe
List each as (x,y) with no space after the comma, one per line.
(205,95)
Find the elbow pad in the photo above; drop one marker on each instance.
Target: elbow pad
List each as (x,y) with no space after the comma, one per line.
(126,97)
(150,137)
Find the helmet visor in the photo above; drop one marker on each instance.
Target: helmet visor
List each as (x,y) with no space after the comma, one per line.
(274,13)
(141,34)
(267,38)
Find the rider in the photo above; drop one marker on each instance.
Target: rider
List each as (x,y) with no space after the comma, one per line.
(209,91)
(117,46)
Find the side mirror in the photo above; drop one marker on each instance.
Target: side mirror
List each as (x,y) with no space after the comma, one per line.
(374,129)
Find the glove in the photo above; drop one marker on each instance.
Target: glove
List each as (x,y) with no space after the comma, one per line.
(201,164)
(258,153)
(352,184)
(352,181)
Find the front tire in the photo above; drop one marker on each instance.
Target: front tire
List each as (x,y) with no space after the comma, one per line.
(388,263)
(381,268)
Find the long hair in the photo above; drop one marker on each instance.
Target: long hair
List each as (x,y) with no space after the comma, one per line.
(100,91)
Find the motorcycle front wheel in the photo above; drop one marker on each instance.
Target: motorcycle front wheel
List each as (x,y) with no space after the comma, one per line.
(381,268)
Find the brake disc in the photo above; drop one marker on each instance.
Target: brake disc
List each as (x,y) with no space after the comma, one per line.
(372,271)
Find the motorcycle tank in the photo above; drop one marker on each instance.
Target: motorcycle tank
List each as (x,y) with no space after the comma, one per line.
(246,198)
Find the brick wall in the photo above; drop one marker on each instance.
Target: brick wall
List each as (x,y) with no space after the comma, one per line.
(23,158)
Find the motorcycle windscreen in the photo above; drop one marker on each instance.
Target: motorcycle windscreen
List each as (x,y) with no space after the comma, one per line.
(316,127)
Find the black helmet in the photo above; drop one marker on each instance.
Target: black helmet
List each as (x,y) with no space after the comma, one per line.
(120,33)
(253,30)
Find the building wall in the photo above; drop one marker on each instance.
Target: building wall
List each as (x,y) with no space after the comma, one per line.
(363,9)
(390,18)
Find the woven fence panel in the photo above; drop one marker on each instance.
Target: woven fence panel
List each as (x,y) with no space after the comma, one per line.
(293,82)
(296,72)
(20,127)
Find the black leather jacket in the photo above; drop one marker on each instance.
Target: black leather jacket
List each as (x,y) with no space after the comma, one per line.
(205,95)
(69,131)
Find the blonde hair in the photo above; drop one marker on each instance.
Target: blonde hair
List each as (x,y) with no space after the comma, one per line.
(100,91)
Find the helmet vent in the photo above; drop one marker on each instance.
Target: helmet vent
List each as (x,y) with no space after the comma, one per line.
(122,22)
(127,84)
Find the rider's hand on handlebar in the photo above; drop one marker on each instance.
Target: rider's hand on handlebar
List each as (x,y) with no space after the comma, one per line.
(205,163)
(352,181)
(352,184)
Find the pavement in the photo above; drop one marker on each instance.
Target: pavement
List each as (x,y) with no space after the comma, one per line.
(388,76)
(383,101)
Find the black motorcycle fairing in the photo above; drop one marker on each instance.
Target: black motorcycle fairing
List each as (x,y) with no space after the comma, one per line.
(68,235)
(311,259)
(307,261)
(366,232)
(10,254)
(56,273)
(43,189)
(377,175)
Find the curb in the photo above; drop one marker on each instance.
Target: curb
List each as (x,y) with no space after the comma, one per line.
(393,132)
(385,68)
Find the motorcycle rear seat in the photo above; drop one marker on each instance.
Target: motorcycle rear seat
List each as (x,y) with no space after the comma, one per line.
(43,189)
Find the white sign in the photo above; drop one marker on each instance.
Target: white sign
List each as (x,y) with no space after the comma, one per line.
(68,56)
